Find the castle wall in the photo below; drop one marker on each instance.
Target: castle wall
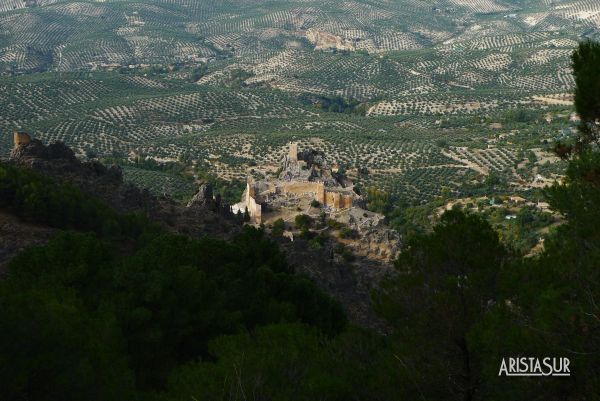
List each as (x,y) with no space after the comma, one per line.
(333,199)
(338,200)
(254,210)
(347,201)
(303,188)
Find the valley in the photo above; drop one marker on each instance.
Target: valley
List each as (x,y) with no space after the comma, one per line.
(421,99)
(228,85)
(336,200)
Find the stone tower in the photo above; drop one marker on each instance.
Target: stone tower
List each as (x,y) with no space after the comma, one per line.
(293,152)
(250,190)
(21,138)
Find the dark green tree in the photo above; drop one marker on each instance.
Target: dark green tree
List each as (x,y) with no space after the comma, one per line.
(51,348)
(278,228)
(550,303)
(302,222)
(586,70)
(287,362)
(446,284)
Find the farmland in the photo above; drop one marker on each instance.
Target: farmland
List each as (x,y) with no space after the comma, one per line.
(450,93)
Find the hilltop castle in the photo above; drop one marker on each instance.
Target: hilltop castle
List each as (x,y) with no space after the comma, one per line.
(305,175)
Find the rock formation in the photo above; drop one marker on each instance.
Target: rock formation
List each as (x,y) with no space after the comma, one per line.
(203,198)
(203,216)
(326,41)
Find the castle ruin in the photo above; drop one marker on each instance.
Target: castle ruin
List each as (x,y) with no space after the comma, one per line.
(249,203)
(293,152)
(21,138)
(305,175)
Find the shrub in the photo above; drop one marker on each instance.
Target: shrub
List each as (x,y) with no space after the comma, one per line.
(278,228)
(302,221)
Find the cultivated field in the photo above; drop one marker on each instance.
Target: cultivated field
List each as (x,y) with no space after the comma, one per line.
(449,93)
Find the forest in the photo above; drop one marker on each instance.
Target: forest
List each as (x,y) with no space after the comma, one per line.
(114,308)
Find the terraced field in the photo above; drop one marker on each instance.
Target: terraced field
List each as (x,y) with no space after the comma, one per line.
(230,83)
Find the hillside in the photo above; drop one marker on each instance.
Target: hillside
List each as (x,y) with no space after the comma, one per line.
(226,85)
(47,189)
(299,200)
(102,305)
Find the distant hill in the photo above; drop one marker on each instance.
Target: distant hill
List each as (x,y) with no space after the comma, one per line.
(226,81)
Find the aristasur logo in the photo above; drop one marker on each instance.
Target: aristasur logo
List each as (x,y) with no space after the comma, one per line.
(527,366)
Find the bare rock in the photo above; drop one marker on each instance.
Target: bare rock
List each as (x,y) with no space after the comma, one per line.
(203,198)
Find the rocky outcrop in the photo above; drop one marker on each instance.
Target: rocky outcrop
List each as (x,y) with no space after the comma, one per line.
(326,41)
(309,165)
(374,238)
(203,198)
(35,151)
(378,243)
(204,215)
(59,162)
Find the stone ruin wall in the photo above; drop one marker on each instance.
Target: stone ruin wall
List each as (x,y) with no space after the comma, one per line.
(302,188)
(21,138)
(293,152)
(338,200)
(254,208)
(333,199)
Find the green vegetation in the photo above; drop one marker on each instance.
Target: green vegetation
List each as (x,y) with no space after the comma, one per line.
(349,233)
(107,114)
(175,318)
(37,199)
(520,231)
(428,108)
(234,83)
(334,104)
(278,228)
(287,362)
(230,191)
(303,222)
(446,282)
(379,201)
(131,308)
(587,80)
